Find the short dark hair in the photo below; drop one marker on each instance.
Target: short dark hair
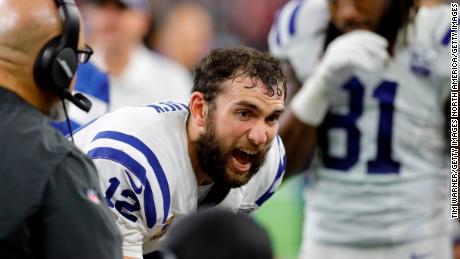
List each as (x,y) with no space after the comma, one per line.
(229,63)
(397,16)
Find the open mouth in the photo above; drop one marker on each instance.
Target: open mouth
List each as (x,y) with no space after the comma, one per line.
(243,158)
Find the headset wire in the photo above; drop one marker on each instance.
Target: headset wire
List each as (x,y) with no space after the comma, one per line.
(67,120)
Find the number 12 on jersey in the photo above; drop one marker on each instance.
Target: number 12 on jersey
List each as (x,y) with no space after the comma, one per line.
(383,163)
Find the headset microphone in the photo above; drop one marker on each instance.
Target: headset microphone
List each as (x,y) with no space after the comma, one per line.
(79,100)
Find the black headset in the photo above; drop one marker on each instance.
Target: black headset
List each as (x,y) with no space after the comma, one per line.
(57,61)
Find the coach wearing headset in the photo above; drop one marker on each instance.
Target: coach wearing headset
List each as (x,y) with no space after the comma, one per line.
(50,202)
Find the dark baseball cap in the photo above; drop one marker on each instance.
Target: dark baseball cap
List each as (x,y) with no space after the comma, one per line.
(132,4)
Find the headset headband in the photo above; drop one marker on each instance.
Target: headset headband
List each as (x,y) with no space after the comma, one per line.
(71,24)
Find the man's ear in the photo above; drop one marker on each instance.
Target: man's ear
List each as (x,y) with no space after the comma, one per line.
(198,109)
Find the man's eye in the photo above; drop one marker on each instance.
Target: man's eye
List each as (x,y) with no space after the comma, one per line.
(273,119)
(243,114)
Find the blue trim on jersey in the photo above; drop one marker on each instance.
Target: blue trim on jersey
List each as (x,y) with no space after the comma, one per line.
(168,107)
(63,128)
(278,37)
(183,105)
(446,39)
(81,127)
(279,173)
(292,20)
(122,158)
(137,169)
(174,106)
(156,107)
(92,81)
(149,205)
(152,160)
(136,189)
(277,28)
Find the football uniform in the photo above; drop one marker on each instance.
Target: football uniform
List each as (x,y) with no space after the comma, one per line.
(146,174)
(297,34)
(381,173)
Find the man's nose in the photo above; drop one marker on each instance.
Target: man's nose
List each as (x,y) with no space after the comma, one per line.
(258,134)
(349,13)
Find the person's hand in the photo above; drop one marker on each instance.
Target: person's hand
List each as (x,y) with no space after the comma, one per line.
(357,50)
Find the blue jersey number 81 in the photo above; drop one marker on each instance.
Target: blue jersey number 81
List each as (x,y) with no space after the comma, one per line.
(383,163)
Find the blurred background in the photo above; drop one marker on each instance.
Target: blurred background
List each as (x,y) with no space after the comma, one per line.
(232,22)
(185,29)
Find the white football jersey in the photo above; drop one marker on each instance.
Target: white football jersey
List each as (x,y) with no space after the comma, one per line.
(298,35)
(382,167)
(141,154)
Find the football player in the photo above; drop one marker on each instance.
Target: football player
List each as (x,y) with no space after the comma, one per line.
(374,100)
(161,161)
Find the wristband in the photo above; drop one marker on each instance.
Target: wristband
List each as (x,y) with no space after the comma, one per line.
(311,103)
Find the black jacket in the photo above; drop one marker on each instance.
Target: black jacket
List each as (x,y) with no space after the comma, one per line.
(50,201)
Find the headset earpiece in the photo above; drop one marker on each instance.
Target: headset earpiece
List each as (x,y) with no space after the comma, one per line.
(55,67)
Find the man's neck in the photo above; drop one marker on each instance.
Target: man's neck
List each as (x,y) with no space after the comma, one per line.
(32,95)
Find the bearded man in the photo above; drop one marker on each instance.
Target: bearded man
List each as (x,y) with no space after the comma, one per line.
(162,161)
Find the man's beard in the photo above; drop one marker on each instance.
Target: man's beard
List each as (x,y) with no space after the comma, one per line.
(56,112)
(212,158)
